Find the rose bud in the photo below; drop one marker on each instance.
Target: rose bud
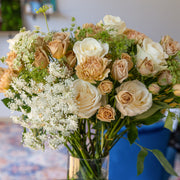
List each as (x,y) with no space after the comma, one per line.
(71,58)
(165,78)
(154,88)
(176,89)
(129,60)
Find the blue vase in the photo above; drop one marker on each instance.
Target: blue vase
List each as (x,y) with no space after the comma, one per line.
(123,156)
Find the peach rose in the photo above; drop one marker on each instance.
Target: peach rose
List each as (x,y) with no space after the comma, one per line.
(176,89)
(170,46)
(119,70)
(106,113)
(133,34)
(129,60)
(93,69)
(41,58)
(105,87)
(88,98)
(5,79)
(133,98)
(59,45)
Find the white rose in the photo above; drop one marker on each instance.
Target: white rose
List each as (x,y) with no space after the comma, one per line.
(88,98)
(89,47)
(150,58)
(113,22)
(16,38)
(133,98)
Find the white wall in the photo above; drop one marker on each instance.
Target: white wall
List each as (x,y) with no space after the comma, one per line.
(155,18)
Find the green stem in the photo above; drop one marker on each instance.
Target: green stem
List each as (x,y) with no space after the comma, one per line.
(102,136)
(46,21)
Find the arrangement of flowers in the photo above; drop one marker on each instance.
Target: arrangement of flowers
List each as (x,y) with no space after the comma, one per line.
(80,86)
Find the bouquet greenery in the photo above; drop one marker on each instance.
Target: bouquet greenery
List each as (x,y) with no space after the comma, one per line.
(80,86)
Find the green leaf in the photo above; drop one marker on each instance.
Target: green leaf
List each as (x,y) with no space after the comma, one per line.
(6,101)
(132,133)
(169,120)
(140,160)
(152,119)
(151,111)
(164,162)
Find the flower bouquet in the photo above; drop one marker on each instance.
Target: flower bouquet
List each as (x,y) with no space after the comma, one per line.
(81,86)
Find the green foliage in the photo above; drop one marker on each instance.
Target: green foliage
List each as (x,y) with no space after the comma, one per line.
(132,133)
(11,15)
(36,74)
(169,120)
(167,166)
(140,160)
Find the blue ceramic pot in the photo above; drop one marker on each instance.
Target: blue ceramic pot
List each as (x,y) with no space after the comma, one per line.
(123,156)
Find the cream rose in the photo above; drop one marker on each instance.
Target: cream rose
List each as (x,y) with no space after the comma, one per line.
(89,47)
(113,23)
(151,54)
(133,98)
(88,98)
(176,89)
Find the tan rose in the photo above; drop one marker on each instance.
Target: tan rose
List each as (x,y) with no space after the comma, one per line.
(146,68)
(129,60)
(154,88)
(133,34)
(105,87)
(88,98)
(59,45)
(10,59)
(106,113)
(41,58)
(133,98)
(5,79)
(176,89)
(62,36)
(170,46)
(71,58)
(93,69)
(119,70)
(165,78)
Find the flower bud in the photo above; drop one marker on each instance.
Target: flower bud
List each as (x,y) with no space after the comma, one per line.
(129,60)
(71,58)
(165,78)
(154,88)
(176,89)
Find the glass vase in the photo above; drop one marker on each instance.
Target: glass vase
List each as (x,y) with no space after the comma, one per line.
(88,169)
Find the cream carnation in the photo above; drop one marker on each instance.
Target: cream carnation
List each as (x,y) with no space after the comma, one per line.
(89,47)
(88,98)
(133,98)
(150,58)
